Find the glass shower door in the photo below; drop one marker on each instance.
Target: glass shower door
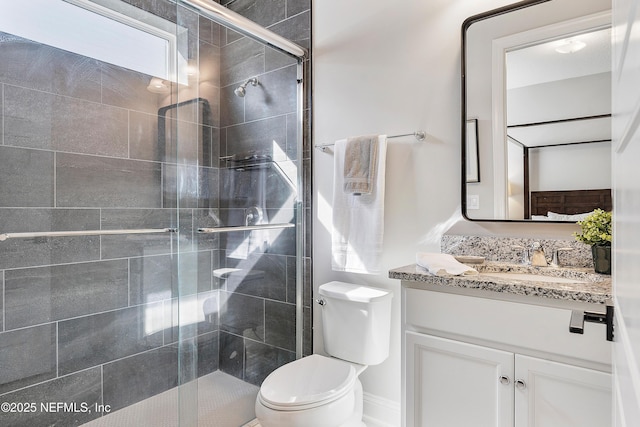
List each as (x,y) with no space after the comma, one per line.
(238,125)
(150,216)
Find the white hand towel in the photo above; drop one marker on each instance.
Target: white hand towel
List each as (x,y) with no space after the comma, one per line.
(358,221)
(443,265)
(360,162)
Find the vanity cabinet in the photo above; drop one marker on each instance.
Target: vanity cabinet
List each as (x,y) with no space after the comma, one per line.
(557,394)
(472,361)
(452,383)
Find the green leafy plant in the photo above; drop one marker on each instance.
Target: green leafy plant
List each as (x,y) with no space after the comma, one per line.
(596,229)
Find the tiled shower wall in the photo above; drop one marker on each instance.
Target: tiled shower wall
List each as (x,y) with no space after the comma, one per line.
(96,317)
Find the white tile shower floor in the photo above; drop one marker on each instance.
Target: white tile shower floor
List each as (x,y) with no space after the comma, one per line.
(223,401)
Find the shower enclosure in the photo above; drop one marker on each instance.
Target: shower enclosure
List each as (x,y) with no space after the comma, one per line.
(154,262)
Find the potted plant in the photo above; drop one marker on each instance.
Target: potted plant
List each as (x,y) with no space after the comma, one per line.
(596,232)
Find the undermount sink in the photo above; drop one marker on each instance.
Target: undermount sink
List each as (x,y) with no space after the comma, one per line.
(531,277)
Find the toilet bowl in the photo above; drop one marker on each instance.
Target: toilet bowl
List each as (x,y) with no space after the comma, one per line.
(315,391)
(324,391)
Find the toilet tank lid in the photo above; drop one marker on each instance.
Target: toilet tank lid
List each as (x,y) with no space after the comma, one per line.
(353,292)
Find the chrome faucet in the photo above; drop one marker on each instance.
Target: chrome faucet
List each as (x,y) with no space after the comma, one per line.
(555,261)
(537,255)
(525,254)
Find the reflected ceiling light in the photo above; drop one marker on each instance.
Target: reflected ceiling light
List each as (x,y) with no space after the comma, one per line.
(570,46)
(157,85)
(192,69)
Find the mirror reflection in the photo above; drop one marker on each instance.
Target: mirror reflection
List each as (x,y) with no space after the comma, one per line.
(542,136)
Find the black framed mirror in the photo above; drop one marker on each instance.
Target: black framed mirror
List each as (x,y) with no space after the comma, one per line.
(536,111)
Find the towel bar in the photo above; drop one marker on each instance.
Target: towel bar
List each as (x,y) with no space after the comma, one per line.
(419,135)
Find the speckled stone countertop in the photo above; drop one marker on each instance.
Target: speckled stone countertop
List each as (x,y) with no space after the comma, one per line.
(590,287)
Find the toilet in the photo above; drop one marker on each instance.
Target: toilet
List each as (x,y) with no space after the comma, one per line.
(324,391)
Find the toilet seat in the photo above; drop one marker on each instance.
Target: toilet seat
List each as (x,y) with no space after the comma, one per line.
(306,383)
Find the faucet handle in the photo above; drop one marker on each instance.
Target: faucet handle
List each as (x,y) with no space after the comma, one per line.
(537,246)
(525,253)
(555,261)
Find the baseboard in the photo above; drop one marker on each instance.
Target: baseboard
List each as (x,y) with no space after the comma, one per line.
(380,412)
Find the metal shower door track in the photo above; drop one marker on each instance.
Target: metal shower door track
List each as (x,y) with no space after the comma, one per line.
(245,26)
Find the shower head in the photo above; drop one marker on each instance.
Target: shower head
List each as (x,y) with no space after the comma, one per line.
(242,89)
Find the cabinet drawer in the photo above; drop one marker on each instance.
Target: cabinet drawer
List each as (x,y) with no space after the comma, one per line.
(504,324)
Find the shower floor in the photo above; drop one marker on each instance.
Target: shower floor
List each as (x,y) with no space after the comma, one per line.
(223,401)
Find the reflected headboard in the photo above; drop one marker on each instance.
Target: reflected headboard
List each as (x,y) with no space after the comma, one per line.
(570,202)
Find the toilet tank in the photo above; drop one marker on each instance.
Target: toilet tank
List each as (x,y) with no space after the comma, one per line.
(356,322)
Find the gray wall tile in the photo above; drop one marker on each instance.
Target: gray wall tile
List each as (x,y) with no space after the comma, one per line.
(208,349)
(257,136)
(232,354)
(128,89)
(262,12)
(280,324)
(191,315)
(16,253)
(152,279)
(267,188)
(242,315)
(1,112)
(28,356)
(208,32)
(231,107)
(155,278)
(262,359)
(240,61)
(189,186)
(41,120)
(271,281)
(81,388)
(297,29)
(143,136)
(92,340)
(140,245)
(274,59)
(295,7)
(2,301)
(44,294)
(36,66)
(113,219)
(209,66)
(26,177)
(163,8)
(138,377)
(105,182)
(275,95)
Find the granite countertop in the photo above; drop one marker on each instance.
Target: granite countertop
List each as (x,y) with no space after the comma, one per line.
(592,288)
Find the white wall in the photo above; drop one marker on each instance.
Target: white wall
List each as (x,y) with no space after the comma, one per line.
(394,67)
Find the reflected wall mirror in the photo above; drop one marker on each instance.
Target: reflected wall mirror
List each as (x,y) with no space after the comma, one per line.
(536,79)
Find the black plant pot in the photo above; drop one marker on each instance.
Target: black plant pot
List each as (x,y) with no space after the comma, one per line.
(601,259)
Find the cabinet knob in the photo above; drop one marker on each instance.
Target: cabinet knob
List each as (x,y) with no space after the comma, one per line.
(521,384)
(504,380)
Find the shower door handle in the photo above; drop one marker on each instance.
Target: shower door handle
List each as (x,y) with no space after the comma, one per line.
(6,236)
(245,228)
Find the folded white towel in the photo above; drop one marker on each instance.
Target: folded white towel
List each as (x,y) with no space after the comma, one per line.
(443,264)
(358,221)
(360,163)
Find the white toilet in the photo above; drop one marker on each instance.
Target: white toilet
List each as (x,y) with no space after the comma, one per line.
(321,391)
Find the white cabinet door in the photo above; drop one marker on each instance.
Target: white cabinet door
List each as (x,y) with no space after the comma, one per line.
(455,384)
(550,394)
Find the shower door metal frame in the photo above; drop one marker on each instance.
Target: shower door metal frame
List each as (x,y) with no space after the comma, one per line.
(246,27)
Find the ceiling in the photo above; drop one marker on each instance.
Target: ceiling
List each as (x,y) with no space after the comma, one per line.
(541,63)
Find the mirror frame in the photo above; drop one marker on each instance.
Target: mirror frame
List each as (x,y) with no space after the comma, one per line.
(463,177)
